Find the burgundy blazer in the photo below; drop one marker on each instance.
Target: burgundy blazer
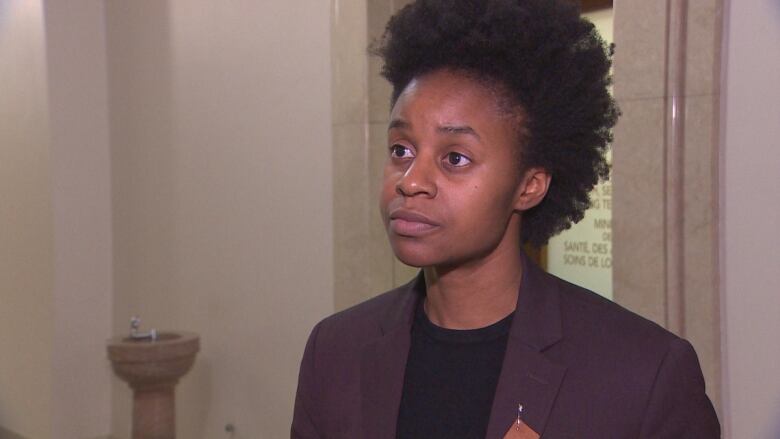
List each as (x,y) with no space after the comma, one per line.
(581,366)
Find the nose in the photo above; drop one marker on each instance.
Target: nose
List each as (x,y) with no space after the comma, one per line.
(417,180)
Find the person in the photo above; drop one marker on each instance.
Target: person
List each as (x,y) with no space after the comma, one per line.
(500,119)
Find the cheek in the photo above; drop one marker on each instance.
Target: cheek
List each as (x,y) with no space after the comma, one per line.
(487,204)
(387,192)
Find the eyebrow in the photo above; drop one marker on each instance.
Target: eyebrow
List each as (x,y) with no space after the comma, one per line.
(458,129)
(398,123)
(445,129)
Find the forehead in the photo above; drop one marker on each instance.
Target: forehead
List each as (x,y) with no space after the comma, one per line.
(448,94)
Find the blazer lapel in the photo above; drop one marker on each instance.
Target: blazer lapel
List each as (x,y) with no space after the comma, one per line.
(383,366)
(528,378)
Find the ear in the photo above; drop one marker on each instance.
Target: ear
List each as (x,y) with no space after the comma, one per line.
(532,189)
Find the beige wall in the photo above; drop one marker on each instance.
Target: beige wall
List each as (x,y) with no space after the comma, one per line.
(212,123)
(56,239)
(26,247)
(222,201)
(749,227)
(80,173)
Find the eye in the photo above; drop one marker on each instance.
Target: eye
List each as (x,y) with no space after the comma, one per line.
(457,159)
(400,152)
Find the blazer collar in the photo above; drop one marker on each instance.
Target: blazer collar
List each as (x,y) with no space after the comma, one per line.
(537,320)
(527,376)
(383,363)
(401,314)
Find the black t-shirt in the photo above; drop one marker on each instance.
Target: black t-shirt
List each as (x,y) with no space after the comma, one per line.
(450,380)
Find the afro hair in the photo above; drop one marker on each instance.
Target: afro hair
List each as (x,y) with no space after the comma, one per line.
(550,62)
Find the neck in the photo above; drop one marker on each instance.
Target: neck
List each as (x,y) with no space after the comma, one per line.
(476,294)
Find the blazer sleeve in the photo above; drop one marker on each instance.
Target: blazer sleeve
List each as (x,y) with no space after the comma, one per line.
(303,426)
(678,405)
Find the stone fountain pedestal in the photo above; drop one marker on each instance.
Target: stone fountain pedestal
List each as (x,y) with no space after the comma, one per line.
(152,368)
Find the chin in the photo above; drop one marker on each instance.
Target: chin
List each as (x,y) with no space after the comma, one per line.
(413,257)
(412,262)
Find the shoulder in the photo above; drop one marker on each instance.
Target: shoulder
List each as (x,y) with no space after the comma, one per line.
(329,380)
(613,354)
(363,322)
(591,317)
(603,342)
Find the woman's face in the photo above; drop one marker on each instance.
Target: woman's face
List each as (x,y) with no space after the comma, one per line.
(452,189)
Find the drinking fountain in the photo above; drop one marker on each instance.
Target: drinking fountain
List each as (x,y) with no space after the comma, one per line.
(152,363)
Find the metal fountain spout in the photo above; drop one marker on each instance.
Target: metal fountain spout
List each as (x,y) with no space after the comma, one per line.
(135,334)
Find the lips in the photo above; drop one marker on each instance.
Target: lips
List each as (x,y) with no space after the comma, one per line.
(410,223)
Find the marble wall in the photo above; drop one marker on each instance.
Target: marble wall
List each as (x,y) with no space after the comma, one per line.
(364,263)
(665,169)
